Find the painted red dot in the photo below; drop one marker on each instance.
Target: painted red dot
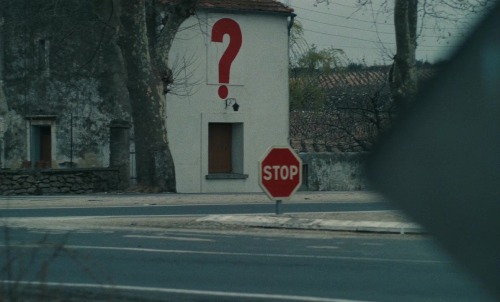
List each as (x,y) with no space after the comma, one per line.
(223,92)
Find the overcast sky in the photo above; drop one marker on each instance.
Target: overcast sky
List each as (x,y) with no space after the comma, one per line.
(368,33)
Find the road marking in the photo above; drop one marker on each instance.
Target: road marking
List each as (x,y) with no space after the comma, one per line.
(372,244)
(204,293)
(162,251)
(28,205)
(169,238)
(322,247)
(103,206)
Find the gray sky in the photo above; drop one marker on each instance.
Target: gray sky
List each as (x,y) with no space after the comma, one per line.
(368,33)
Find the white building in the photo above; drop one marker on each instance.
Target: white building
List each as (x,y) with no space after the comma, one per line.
(217,140)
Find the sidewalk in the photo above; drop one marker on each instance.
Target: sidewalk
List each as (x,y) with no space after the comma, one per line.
(348,222)
(372,221)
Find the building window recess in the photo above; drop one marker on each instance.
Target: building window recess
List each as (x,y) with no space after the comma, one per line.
(43,56)
(225,151)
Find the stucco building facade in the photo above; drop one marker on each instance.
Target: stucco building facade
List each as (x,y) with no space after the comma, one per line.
(217,140)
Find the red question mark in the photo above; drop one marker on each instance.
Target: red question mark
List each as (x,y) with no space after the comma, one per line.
(229,27)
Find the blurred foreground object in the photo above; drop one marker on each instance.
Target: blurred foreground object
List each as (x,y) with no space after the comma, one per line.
(441,163)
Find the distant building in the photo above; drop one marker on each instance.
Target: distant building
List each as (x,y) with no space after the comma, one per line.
(357,106)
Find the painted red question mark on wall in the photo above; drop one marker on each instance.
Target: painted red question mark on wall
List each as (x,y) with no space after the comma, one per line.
(229,27)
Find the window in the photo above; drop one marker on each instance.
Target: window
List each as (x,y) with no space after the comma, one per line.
(43,56)
(225,150)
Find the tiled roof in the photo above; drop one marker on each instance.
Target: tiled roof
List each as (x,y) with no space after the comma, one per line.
(267,6)
(356,78)
(246,5)
(309,146)
(367,77)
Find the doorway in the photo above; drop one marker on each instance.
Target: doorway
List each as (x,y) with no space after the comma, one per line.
(41,146)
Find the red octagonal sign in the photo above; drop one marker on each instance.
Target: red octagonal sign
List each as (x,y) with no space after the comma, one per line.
(280,173)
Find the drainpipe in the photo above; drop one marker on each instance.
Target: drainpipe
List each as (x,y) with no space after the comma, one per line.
(2,142)
(3,104)
(3,101)
(2,21)
(290,24)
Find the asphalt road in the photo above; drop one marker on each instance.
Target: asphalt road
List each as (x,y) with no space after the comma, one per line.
(177,210)
(267,265)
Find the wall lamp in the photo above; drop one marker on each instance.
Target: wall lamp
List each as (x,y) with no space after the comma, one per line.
(232,102)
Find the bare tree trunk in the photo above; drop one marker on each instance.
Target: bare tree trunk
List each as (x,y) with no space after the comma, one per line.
(404,73)
(155,166)
(145,50)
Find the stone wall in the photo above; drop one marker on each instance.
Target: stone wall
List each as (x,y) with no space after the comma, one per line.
(333,171)
(326,171)
(68,181)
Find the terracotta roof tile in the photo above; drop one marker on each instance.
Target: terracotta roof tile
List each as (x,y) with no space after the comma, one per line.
(271,6)
(250,5)
(367,77)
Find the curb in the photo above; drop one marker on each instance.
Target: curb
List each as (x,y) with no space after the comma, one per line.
(279,222)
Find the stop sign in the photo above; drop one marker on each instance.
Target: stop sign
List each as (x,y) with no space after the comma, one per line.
(280,173)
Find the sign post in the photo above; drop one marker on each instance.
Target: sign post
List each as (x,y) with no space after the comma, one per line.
(280,174)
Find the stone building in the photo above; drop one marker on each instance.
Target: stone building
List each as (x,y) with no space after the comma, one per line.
(59,85)
(62,83)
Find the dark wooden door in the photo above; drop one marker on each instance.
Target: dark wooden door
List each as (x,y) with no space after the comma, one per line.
(45,145)
(220,148)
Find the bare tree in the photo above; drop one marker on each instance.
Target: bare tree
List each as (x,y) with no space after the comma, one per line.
(330,110)
(403,74)
(351,120)
(120,47)
(410,17)
(145,44)
(407,14)
(357,108)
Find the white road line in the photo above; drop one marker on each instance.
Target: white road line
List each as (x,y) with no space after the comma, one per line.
(169,238)
(204,293)
(128,216)
(152,205)
(162,251)
(322,247)
(145,205)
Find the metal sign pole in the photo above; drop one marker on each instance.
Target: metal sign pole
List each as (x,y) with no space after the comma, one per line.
(278,207)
